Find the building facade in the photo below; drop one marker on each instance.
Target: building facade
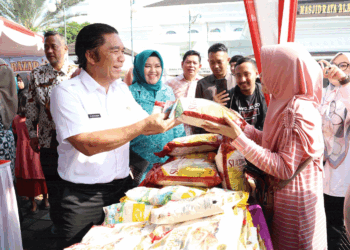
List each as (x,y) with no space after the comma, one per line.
(323,27)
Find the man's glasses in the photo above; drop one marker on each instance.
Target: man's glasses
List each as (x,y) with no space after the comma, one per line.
(343,65)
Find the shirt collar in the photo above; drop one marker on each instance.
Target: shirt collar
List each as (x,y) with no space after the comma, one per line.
(64,68)
(91,84)
(213,78)
(182,77)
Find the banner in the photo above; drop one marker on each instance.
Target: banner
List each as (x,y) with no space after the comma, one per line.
(270,22)
(25,63)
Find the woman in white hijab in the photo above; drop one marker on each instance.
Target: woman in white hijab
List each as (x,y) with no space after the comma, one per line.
(8,109)
(335,111)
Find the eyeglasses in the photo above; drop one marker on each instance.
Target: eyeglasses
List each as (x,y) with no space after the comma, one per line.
(343,65)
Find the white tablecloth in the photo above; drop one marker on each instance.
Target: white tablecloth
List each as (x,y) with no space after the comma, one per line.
(10,231)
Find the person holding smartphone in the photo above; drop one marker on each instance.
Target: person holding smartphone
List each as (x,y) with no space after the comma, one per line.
(335,111)
(215,87)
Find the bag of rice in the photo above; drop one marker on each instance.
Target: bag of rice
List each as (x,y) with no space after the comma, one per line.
(230,164)
(191,144)
(185,170)
(128,211)
(195,111)
(208,204)
(156,197)
(219,232)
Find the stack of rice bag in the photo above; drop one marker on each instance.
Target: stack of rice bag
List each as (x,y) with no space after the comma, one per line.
(204,160)
(191,163)
(181,218)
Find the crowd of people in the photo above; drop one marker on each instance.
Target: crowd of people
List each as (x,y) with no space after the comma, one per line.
(76,127)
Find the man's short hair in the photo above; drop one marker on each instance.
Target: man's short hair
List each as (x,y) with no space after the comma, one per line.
(91,38)
(246,59)
(235,58)
(217,47)
(54,33)
(191,53)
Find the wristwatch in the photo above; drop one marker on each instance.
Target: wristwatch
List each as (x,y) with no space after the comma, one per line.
(345,80)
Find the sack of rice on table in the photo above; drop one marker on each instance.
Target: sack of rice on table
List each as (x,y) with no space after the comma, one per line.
(218,232)
(185,170)
(195,111)
(111,237)
(230,164)
(156,197)
(191,144)
(210,203)
(128,211)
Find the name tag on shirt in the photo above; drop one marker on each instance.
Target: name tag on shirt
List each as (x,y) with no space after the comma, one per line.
(94,115)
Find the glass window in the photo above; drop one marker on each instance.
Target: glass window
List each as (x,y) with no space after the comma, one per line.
(170,32)
(193,31)
(238,29)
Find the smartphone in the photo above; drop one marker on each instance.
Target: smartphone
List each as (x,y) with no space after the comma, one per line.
(221,85)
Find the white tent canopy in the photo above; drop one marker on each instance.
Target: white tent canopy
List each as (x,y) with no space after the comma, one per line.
(17,41)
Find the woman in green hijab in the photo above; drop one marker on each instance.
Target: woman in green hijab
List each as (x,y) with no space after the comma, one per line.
(147,88)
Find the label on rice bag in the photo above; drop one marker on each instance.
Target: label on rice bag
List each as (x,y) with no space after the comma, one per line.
(128,211)
(185,210)
(189,172)
(230,163)
(155,196)
(191,144)
(195,111)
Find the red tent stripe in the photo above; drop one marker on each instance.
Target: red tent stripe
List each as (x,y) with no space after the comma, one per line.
(292,19)
(280,17)
(254,30)
(255,35)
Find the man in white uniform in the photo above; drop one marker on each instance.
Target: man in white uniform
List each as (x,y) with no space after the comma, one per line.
(96,116)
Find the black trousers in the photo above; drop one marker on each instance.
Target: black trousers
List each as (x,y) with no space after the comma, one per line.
(336,234)
(49,164)
(82,207)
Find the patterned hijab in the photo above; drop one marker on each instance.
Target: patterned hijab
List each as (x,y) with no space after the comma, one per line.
(335,124)
(8,95)
(139,67)
(294,80)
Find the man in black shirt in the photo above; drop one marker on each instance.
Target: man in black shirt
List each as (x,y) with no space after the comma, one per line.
(247,97)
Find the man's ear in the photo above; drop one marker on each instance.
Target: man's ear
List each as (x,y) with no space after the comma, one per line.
(228,59)
(200,65)
(182,64)
(90,57)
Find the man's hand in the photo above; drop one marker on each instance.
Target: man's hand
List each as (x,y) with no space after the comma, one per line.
(221,98)
(34,144)
(157,124)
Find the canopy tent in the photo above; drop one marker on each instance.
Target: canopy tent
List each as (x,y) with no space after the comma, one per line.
(270,22)
(17,40)
(20,47)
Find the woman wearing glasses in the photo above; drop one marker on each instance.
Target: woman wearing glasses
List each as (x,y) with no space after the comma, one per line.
(336,131)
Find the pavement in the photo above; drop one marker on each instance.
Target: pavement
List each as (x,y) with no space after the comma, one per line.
(36,228)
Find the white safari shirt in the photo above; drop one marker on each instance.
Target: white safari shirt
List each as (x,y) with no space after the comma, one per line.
(81,105)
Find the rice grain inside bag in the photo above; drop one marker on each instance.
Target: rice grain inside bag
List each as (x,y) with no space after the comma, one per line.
(230,164)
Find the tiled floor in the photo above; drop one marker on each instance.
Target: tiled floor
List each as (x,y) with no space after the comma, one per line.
(36,228)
